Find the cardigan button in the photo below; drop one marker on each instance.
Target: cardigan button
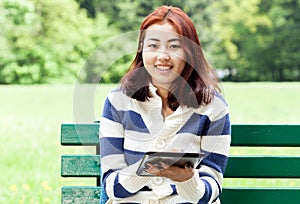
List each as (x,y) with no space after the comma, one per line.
(161,144)
(158,181)
(153,201)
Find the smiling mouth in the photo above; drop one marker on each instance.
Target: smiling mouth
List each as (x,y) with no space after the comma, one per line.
(163,68)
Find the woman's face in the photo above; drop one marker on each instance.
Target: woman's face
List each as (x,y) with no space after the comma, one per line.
(163,54)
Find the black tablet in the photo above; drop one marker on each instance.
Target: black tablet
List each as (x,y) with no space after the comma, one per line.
(179,159)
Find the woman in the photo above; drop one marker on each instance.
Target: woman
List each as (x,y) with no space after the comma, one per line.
(168,101)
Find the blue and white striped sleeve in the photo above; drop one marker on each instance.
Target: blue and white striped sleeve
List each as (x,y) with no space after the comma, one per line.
(206,185)
(118,178)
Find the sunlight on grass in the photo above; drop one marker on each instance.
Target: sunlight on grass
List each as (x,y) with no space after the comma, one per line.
(263,102)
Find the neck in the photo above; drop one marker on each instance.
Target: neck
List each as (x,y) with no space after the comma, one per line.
(162,89)
(163,93)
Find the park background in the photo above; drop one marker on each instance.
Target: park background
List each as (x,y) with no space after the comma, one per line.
(47,53)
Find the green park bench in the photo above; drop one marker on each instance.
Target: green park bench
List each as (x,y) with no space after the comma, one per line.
(244,166)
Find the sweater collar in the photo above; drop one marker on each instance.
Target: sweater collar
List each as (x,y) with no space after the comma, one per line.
(152,89)
(156,100)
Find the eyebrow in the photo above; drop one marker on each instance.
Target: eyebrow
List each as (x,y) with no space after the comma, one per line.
(170,40)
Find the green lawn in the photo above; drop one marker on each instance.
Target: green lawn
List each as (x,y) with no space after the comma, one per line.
(263,102)
(30,130)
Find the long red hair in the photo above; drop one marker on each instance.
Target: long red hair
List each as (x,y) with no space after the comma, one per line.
(198,82)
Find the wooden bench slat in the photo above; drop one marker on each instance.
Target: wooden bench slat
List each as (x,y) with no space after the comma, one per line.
(80,194)
(238,166)
(263,167)
(80,166)
(265,135)
(260,195)
(242,135)
(280,166)
(80,134)
(88,194)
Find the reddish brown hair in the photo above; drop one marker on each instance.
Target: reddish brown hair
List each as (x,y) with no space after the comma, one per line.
(198,81)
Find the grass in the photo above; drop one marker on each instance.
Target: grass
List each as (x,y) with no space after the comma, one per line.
(30,130)
(263,102)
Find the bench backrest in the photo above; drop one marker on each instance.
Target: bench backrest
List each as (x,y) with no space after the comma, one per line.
(81,165)
(253,166)
(262,166)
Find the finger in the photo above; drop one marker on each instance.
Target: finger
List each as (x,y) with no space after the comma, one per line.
(164,166)
(152,169)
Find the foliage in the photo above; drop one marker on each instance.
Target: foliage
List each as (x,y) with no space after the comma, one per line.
(45,41)
(239,25)
(285,16)
(254,40)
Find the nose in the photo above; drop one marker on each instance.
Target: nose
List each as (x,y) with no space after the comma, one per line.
(163,55)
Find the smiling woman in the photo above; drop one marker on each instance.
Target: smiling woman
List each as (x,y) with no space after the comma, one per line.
(168,102)
(163,55)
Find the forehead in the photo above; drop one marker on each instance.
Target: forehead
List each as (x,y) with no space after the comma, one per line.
(161,31)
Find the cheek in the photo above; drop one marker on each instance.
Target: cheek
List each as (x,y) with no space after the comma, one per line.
(147,63)
(148,58)
(180,65)
(182,61)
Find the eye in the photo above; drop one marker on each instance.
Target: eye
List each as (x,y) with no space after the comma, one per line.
(152,45)
(175,46)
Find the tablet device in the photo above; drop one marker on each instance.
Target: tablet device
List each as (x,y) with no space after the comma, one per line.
(178,159)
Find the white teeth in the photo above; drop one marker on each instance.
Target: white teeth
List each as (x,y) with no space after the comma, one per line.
(163,67)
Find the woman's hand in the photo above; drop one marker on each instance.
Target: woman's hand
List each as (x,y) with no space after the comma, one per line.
(172,172)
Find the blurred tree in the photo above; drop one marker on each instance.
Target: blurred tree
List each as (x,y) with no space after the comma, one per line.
(285,16)
(90,6)
(127,15)
(272,51)
(239,27)
(257,39)
(45,40)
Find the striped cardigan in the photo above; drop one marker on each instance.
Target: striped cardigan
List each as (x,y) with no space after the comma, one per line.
(129,128)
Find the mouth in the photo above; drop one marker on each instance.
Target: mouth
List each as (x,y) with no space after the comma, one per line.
(163,67)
